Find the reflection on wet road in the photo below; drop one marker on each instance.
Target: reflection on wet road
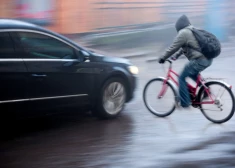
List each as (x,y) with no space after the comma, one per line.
(135,139)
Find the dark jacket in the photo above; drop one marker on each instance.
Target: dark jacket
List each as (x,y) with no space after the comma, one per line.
(183,40)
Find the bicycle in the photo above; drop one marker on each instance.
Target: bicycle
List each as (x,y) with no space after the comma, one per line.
(199,96)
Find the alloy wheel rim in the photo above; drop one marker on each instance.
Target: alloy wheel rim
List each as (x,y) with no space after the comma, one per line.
(114,98)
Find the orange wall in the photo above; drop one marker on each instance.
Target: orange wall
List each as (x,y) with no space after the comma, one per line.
(80,16)
(75,16)
(6,8)
(126,14)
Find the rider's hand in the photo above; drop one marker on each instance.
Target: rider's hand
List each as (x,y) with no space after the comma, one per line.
(173,58)
(161,61)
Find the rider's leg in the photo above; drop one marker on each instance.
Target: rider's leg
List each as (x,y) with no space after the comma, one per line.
(192,70)
(183,89)
(202,64)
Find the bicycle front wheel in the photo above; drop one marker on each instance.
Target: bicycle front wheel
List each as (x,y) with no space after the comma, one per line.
(159,98)
(223,108)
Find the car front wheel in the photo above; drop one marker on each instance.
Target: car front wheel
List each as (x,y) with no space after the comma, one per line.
(112,98)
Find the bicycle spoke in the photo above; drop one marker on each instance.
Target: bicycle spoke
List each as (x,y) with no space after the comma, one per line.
(223,108)
(222,93)
(219,91)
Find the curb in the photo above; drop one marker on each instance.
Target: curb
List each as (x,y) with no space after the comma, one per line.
(151,60)
(125,32)
(136,55)
(128,55)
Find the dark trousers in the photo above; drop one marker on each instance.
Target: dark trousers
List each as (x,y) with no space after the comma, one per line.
(191,70)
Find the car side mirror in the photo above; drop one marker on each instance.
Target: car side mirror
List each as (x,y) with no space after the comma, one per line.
(83,56)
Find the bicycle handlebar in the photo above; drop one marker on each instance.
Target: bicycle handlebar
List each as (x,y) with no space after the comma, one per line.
(169,61)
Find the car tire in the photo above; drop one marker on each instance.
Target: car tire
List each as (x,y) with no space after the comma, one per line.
(112,98)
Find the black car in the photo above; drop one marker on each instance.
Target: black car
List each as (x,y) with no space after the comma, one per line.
(41,69)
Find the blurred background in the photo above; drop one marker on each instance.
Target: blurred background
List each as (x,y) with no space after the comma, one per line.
(139,30)
(123,24)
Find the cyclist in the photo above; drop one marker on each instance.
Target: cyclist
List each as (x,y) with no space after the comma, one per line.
(183,44)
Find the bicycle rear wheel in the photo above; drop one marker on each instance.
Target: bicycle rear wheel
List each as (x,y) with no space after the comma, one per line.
(223,108)
(158,105)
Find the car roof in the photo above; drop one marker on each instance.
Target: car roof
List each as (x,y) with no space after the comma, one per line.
(17,24)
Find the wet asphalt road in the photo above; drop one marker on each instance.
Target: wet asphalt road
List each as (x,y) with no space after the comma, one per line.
(135,139)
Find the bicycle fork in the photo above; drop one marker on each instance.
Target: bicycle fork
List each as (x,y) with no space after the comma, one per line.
(163,90)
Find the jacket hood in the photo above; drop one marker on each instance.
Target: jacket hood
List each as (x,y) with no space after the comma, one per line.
(182,22)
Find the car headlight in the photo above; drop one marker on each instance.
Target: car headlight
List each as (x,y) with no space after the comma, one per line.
(134,70)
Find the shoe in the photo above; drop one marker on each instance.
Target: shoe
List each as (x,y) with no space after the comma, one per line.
(187,108)
(179,106)
(192,97)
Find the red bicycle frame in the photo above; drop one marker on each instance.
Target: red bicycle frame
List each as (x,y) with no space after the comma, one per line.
(192,89)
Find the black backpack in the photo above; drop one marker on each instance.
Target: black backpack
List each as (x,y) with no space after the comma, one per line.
(210,46)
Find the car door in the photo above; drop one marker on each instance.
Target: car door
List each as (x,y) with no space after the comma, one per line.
(56,74)
(13,73)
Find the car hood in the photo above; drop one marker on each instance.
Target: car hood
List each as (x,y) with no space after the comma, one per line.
(101,58)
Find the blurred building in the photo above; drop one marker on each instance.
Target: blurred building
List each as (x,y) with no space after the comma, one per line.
(82,16)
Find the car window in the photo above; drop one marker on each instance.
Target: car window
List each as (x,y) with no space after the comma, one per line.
(40,46)
(6,46)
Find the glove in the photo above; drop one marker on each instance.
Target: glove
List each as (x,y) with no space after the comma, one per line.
(173,58)
(161,61)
